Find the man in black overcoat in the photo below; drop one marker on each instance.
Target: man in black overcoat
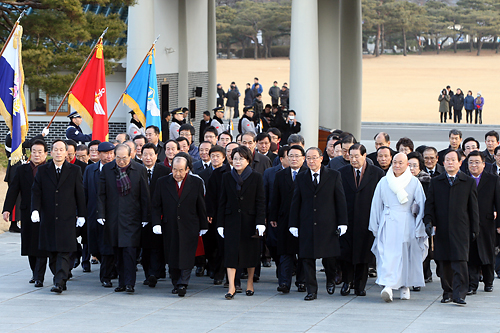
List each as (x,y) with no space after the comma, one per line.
(359,180)
(260,162)
(179,214)
(98,246)
(21,184)
(153,260)
(279,210)
(318,215)
(451,207)
(482,250)
(123,209)
(58,204)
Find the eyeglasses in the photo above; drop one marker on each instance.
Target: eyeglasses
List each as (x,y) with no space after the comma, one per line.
(475,163)
(313,158)
(294,157)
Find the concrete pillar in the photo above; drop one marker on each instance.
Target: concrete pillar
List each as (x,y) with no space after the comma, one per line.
(329,62)
(352,67)
(304,68)
(183,56)
(212,57)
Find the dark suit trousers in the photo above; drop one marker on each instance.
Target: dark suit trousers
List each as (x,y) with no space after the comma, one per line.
(475,269)
(285,270)
(454,278)
(126,265)
(310,272)
(427,261)
(355,274)
(60,265)
(85,256)
(180,277)
(107,267)
(153,262)
(38,266)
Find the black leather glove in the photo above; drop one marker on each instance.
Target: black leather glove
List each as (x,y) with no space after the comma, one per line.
(473,236)
(428,229)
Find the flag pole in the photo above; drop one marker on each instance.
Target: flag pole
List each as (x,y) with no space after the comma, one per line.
(12,32)
(121,96)
(77,77)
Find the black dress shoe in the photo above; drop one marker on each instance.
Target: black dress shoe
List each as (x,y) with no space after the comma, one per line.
(446,300)
(416,289)
(346,289)
(471,292)
(283,288)
(256,278)
(360,292)
(38,284)
(310,297)
(301,288)
(266,264)
(239,290)
(14,228)
(129,288)
(76,262)
(330,288)
(107,284)
(181,291)
(31,281)
(488,289)
(86,270)
(200,271)
(428,280)
(146,282)
(64,287)
(152,281)
(119,289)
(94,261)
(217,282)
(229,296)
(372,272)
(56,288)
(459,301)
(175,291)
(249,292)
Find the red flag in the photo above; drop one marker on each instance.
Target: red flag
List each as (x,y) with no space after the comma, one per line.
(88,95)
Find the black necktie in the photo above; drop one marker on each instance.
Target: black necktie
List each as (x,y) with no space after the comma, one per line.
(205,165)
(358,176)
(150,174)
(431,173)
(315,181)
(452,180)
(58,174)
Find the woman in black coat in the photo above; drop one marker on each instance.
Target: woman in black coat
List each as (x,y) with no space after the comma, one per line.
(241,215)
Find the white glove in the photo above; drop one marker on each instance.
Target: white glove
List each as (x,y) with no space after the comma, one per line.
(45,131)
(35,217)
(294,231)
(101,221)
(220,230)
(144,224)
(342,229)
(157,229)
(261,228)
(80,221)
(203,231)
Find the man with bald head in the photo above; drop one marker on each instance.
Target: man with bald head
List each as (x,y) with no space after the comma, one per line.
(396,221)
(382,139)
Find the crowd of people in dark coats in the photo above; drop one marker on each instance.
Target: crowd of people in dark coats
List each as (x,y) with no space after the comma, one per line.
(232,206)
(454,103)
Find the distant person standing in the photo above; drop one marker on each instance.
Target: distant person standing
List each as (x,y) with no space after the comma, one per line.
(274,92)
(232,97)
(444,104)
(457,101)
(450,94)
(478,106)
(284,94)
(257,87)
(248,96)
(469,106)
(204,124)
(220,95)
(257,105)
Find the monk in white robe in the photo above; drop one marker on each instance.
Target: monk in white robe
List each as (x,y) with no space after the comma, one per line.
(396,221)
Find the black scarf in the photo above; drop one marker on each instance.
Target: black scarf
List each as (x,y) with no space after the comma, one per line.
(241,178)
(135,122)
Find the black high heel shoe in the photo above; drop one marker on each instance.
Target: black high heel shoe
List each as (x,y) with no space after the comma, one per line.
(249,292)
(229,296)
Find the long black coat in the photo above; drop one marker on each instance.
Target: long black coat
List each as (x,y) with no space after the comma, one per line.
(150,240)
(280,210)
(96,240)
(124,215)
(317,213)
(211,239)
(181,219)
(30,232)
(239,213)
(488,198)
(58,203)
(260,163)
(453,210)
(357,242)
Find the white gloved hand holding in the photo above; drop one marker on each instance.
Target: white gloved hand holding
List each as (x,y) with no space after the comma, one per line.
(220,230)
(261,228)
(342,229)
(294,231)
(101,221)
(203,231)
(45,131)
(80,221)
(144,224)
(157,229)
(35,216)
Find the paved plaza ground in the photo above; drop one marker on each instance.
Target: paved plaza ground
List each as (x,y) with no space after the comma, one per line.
(87,307)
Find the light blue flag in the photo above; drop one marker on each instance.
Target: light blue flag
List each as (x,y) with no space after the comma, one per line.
(153,114)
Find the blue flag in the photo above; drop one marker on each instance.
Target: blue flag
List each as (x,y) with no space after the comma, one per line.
(12,102)
(142,94)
